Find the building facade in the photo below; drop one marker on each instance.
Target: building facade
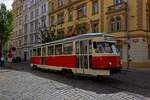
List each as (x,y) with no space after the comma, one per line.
(17,34)
(34,17)
(128,20)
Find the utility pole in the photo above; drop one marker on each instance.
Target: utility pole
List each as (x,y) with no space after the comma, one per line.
(128,35)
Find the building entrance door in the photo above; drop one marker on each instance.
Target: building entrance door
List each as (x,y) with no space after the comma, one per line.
(25,56)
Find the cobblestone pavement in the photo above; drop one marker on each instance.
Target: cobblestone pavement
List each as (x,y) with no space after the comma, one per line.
(19,85)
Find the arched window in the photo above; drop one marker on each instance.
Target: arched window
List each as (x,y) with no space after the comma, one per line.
(115,24)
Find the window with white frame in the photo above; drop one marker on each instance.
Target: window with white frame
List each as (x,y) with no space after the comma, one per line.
(115,24)
(60,18)
(81,11)
(95,7)
(117,2)
(60,3)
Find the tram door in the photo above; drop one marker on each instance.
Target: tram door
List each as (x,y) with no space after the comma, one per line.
(84,54)
(44,55)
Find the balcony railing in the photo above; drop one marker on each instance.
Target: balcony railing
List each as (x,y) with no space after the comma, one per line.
(148,7)
(118,7)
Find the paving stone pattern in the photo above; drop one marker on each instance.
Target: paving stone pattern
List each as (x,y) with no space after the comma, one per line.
(15,85)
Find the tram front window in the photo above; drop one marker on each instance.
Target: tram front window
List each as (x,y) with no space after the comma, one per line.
(105,47)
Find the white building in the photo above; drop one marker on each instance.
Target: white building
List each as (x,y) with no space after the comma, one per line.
(34,16)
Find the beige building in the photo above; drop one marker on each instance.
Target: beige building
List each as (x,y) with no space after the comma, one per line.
(128,20)
(17,34)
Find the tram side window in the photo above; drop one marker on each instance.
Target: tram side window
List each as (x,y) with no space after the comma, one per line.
(105,47)
(98,47)
(39,52)
(58,49)
(34,52)
(44,51)
(68,48)
(90,46)
(77,47)
(50,50)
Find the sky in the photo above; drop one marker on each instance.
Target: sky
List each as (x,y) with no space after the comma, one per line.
(8,3)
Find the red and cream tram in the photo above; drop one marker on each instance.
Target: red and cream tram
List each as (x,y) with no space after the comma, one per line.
(89,54)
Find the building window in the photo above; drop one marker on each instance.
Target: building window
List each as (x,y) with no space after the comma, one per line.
(148,51)
(81,11)
(60,34)
(118,2)
(52,20)
(36,24)
(25,40)
(115,24)
(60,3)
(81,28)
(149,24)
(70,13)
(32,1)
(70,28)
(20,31)
(25,28)
(95,27)
(36,38)
(70,31)
(43,21)
(69,1)
(26,18)
(60,18)
(31,38)
(43,8)
(51,7)
(31,26)
(19,43)
(36,12)
(95,7)
(32,15)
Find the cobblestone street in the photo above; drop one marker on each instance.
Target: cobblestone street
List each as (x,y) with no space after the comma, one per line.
(20,83)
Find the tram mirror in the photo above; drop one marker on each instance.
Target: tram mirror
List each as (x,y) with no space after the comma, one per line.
(94,44)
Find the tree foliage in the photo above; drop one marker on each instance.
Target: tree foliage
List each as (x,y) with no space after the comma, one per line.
(6,25)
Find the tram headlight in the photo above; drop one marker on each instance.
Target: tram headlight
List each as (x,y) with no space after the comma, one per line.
(110,63)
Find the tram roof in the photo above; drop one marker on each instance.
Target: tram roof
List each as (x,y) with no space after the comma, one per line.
(78,37)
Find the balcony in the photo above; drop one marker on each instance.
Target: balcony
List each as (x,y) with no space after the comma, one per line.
(117,8)
(148,7)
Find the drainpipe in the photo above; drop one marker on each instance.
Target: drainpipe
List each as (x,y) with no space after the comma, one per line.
(128,36)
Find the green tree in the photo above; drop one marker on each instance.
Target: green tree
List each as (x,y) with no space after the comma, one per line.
(6,25)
